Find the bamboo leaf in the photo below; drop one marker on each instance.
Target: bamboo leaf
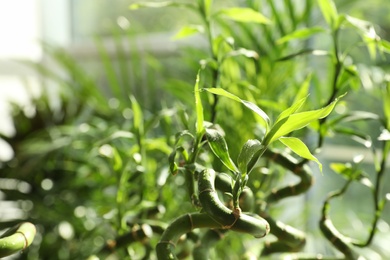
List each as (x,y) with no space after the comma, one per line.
(329,11)
(248,153)
(199,107)
(246,15)
(291,110)
(300,34)
(188,30)
(356,135)
(220,149)
(386,105)
(303,91)
(352,172)
(137,116)
(207,7)
(287,124)
(384,46)
(304,52)
(251,106)
(300,148)
(367,32)
(244,52)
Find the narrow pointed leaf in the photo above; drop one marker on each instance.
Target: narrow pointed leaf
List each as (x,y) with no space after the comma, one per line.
(291,110)
(298,121)
(300,34)
(304,52)
(282,119)
(246,15)
(188,30)
(138,116)
(220,149)
(384,46)
(207,7)
(329,11)
(303,91)
(199,107)
(386,105)
(247,154)
(300,148)
(251,106)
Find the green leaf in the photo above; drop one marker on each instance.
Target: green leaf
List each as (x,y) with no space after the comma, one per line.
(303,91)
(304,52)
(384,136)
(351,172)
(246,15)
(207,7)
(386,105)
(300,148)
(367,32)
(329,11)
(251,106)
(243,52)
(291,110)
(248,154)
(220,149)
(356,135)
(384,46)
(199,107)
(287,124)
(300,34)
(138,116)
(188,30)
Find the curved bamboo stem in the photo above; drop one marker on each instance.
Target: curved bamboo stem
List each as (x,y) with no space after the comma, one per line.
(298,169)
(228,218)
(17,238)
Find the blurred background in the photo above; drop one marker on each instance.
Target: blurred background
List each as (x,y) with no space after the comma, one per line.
(67,69)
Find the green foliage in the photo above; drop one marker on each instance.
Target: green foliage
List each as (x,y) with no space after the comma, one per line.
(161,166)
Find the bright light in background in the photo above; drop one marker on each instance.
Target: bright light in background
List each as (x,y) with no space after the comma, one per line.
(19,29)
(20,34)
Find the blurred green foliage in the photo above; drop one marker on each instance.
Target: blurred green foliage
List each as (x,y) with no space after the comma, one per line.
(95,168)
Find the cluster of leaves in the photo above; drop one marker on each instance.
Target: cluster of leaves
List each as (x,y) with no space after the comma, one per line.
(115,179)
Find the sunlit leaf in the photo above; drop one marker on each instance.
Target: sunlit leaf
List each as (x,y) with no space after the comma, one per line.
(220,149)
(351,172)
(303,91)
(137,115)
(384,46)
(243,52)
(246,15)
(364,27)
(199,107)
(367,32)
(188,30)
(116,135)
(291,110)
(158,144)
(329,11)
(247,154)
(384,136)
(207,7)
(251,106)
(300,34)
(300,148)
(298,121)
(304,52)
(358,136)
(386,105)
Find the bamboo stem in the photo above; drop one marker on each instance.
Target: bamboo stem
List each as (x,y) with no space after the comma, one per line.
(17,238)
